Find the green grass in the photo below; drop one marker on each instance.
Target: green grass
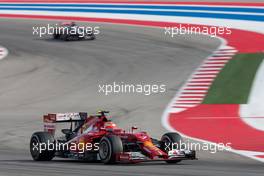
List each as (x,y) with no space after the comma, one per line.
(233,84)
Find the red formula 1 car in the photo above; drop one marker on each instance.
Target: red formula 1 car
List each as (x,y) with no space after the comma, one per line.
(69,31)
(96,138)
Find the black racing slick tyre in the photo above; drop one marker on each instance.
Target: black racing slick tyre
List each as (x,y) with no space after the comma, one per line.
(92,37)
(56,36)
(109,147)
(89,37)
(170,140)
(64,37)
(42,146)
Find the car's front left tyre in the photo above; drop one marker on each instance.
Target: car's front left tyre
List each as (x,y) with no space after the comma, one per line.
(109,147)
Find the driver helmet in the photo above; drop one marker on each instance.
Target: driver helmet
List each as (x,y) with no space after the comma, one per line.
(110,125)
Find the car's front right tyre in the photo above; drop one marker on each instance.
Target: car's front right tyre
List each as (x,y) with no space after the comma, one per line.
(168,141)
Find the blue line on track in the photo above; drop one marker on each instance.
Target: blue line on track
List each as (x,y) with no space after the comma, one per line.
(164,7)
(143,12)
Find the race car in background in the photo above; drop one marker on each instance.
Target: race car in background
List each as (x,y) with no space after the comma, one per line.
(69,31)
(103,141)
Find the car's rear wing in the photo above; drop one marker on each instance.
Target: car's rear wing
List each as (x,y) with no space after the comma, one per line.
(50,120)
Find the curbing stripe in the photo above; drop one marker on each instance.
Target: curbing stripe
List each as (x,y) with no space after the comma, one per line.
(196,88)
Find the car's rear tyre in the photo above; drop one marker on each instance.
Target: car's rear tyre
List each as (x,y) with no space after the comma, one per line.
(171,139)
(56,36)
(42,146)
(64,37)
(109,148)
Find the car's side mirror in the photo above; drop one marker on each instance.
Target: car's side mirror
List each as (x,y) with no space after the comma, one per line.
(66,131)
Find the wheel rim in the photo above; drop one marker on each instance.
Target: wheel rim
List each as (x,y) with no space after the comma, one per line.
(104,150)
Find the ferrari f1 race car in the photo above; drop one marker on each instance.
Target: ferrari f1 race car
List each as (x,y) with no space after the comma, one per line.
(69,31)
(96,138)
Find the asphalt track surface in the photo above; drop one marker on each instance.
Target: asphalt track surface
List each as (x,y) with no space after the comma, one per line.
(41,75)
